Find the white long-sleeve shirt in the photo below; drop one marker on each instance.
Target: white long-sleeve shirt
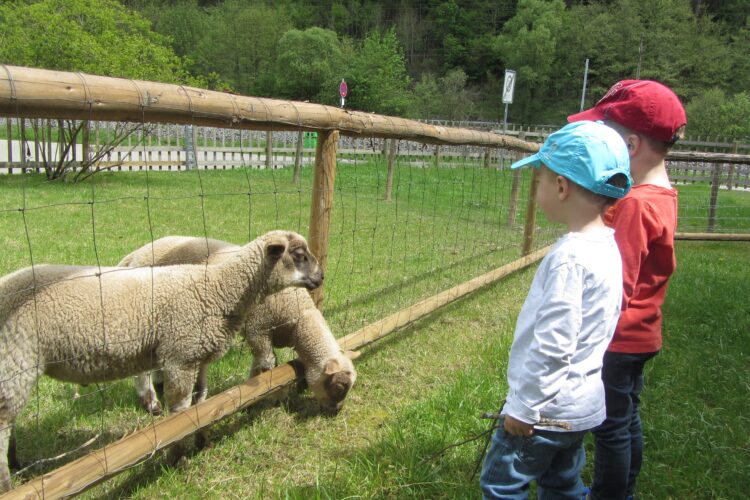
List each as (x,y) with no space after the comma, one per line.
(562,331)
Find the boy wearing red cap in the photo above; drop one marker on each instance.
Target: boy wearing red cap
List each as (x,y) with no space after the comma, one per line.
(650,117)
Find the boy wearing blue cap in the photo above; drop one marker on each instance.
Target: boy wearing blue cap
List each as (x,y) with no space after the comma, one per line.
(555,391)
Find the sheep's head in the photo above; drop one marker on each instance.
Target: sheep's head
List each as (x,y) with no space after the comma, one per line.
(291,262)
(333,384)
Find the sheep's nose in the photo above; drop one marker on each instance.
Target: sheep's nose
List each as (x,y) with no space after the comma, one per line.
(332,410)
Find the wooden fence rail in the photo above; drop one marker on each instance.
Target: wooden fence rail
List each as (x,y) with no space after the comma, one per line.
(40,93)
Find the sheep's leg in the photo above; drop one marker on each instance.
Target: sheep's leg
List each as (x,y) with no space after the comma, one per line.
(7,454)
(14,393)
(12,457)
(199,395)
(178,387)
(178,394)
(264,358)
(201,385)
(144,386)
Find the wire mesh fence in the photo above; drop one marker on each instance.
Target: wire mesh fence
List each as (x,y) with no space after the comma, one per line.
(403,227)
(714,197)
(407,220)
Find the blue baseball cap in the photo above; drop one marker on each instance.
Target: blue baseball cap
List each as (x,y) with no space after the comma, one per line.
(588,153)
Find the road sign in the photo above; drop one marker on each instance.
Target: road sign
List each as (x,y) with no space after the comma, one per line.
(343,88)
(510,83)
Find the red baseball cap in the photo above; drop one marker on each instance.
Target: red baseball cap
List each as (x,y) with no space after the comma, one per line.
(643,106)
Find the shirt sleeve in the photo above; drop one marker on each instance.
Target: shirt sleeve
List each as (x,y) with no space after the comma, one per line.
(632,222)
(558,322)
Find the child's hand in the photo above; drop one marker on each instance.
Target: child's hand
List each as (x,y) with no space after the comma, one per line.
(517,428)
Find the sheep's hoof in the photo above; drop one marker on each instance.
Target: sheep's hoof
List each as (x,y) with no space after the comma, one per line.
(151,405)
(176,455)
(202,441)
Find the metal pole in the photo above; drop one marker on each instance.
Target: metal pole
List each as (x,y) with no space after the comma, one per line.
(505,119)
(585,78)
(640,58)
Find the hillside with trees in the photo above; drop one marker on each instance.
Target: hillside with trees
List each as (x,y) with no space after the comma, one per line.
(416,58)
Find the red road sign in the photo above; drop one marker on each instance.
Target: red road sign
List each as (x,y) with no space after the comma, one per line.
(343,88)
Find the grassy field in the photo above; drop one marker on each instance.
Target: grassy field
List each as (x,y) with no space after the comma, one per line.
(419,390)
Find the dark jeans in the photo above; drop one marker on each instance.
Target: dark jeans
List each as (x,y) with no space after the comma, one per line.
(619,439)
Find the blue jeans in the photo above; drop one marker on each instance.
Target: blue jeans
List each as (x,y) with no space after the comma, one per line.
(553,459)
(619,439)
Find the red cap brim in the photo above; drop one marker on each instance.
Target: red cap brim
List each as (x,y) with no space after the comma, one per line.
(592,114)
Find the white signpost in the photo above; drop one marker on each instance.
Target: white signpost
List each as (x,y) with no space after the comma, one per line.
(508,86)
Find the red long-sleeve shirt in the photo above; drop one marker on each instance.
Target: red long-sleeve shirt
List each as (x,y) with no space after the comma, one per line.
(644,222)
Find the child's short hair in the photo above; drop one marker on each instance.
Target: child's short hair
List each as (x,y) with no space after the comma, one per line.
(589,154)
(618,180)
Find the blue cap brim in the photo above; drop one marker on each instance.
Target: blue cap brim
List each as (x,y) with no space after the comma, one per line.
(532,160)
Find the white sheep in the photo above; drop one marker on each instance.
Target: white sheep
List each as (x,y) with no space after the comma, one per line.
(286,319)
(91,324)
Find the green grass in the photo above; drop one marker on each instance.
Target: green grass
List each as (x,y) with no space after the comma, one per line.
(732,209)
(418,390)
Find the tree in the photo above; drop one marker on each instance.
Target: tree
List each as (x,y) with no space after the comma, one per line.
(377,75)
(309,65)
(713,114)
(527,44)
(445,97)
(240,44)
(90,36)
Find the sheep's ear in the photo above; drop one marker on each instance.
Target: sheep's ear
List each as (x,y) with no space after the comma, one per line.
(332,366)
(275,248)
(352,354)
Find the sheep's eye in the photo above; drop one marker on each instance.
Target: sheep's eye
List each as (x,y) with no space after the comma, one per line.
(300,254)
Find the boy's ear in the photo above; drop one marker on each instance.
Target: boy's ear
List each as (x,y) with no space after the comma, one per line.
(563,187)
(633,142)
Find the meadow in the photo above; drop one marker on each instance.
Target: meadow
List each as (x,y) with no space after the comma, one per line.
(419,390)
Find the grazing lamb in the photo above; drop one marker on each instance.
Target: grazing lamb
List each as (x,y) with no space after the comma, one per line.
(91,324)
(286,319)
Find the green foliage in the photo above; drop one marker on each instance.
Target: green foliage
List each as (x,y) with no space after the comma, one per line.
(309,65)
(377,75)
(713,114)
(693,46)
(91,36)
(239,43)
(527,45)
(447,97)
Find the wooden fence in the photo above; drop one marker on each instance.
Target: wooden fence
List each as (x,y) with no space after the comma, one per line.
(33,94)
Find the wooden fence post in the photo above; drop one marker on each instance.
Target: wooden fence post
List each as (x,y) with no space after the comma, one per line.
(269,149)
(85,142)
(730,174)
(10,141)
(48,160)
(515,187)
(24,145)
(437,155)
(391,167)
(530,225)
(297,158)
(322,200)
(715,180)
